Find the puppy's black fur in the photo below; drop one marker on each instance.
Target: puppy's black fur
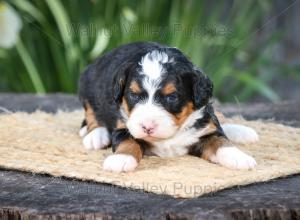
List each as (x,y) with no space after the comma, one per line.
(103,86)
(102,83)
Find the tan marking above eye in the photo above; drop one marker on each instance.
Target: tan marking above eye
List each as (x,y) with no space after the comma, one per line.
(134,87)
(168,89)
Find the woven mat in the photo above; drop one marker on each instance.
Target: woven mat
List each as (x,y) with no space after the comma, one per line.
(46,143)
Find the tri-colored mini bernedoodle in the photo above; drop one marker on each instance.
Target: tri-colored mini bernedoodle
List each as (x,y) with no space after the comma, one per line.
(146,98)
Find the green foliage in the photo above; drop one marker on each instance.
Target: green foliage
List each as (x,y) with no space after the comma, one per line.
(59,38)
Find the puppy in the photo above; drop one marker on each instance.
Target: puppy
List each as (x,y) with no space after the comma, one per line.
(145,98)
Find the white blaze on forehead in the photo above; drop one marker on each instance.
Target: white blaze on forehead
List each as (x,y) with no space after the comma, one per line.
(151,87)
(152,64)
(152,69)
(149,111)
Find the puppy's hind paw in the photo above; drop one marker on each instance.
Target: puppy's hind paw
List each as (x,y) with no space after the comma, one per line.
(96,139)
(232,157)
(120,163)
(240,133)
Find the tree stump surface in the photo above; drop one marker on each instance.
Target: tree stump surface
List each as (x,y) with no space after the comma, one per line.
(34,196)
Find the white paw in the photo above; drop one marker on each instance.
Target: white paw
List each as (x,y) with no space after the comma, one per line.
(120,163)
(96,139)
(232,157)
(83,131)
(240,133)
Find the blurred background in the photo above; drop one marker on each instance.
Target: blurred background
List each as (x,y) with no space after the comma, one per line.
(250,48)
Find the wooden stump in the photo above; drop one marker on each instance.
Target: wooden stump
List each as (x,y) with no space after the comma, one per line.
(31,196)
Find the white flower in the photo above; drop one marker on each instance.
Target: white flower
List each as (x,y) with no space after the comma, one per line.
(10,26)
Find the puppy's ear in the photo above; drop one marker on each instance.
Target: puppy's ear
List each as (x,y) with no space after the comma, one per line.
(119,83)
(202,89)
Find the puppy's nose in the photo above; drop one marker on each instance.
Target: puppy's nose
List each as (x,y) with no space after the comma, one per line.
(149,127)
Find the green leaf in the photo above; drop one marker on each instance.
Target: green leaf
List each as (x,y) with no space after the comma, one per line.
(30,67)
(62,20)
(257,85)
(3,53)
(129,15)
(30,9)
(100,44)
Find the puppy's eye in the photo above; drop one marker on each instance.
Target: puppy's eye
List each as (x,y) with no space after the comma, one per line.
(171,98)
(134,96)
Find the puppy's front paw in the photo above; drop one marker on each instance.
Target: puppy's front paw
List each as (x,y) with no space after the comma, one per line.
(120,163)
(240,133)
(233,158)
(96,139)
(83,131)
